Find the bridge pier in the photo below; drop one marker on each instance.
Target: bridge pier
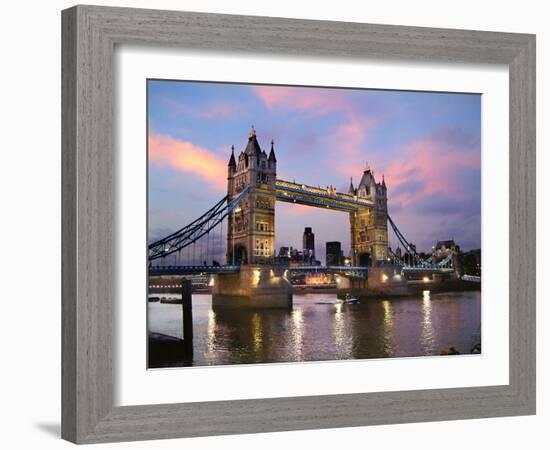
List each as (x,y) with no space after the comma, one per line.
(385,281)
(254,286)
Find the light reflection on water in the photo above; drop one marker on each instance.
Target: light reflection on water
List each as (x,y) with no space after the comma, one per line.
(387,327)
(211,331)
(428,333)
(319,328)
(257,333)
(297,335)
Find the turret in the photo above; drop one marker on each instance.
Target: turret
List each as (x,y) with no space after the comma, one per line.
(232,164)
(231,169)
(252,148)
(351,189)
(272,158)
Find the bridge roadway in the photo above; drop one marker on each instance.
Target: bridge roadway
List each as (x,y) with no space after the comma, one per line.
(206,270)
(357,272)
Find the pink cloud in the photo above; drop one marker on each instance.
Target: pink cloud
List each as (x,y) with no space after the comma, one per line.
(347,144)
(344,144)
(184,156)
(312,101)
(430,162)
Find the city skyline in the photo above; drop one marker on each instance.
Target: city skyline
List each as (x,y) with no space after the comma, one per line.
(427,145)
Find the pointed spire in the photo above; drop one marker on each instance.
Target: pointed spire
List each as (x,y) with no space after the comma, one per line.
(272,153)
(351,189)
(253,148)
(383,181)
(232,158)
(367,167)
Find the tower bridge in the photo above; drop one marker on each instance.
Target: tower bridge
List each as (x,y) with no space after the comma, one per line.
(251,226)
(250,276)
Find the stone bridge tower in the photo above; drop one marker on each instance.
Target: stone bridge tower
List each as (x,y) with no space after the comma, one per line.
(251,227)
(369,226)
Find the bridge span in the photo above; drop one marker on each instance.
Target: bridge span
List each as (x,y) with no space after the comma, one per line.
(207,270)
(251,273)
(350,271)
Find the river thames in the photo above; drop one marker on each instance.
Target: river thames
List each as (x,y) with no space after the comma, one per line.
(319,328)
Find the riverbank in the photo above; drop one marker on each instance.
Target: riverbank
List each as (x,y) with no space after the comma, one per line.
(417,287)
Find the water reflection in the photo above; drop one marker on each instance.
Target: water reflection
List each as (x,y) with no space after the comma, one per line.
(318,328)
(211,331)
(339,326)
(388,327)
(257,333)
(428,334)
(297,333)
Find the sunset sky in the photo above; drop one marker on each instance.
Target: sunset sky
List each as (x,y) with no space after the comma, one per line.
(427,145)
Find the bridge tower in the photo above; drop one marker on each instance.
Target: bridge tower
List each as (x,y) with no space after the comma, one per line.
(369,226)
(251,227)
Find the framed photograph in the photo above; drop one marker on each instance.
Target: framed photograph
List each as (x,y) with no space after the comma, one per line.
(305,224)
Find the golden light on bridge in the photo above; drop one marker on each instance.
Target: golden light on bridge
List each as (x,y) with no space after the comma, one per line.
(256,277)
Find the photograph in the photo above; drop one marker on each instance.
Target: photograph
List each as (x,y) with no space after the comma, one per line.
(295,223)
(256,225)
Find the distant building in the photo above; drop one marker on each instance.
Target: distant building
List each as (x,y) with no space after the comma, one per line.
(308,245)
(291,256)
(296,255)
(334,253)
(471,262)
(284,252)
(444,248)
(398,252)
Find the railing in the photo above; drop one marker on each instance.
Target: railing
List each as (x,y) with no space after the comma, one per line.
(180,270)
(421,269)
(200,227)
(328,268)
(472,278)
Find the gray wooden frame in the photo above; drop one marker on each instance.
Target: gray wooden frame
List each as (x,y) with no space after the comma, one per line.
(90,34)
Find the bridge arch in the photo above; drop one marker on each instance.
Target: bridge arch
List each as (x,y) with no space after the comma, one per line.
(241,255)
(364,259)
